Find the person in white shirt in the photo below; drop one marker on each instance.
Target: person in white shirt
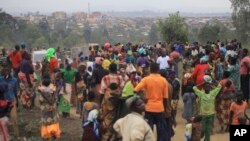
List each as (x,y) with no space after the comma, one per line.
(163,60)
(133,127)
(194,52)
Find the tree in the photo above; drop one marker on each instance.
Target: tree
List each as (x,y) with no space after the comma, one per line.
(173,28)
(8,27)
(214,31)
(153,34)
(72,40)
(241,18)
(209,33)
(41,42)
(31,33)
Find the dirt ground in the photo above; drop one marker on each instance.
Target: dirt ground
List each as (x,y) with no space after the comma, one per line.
(30,131)
(179,130)
(72,131)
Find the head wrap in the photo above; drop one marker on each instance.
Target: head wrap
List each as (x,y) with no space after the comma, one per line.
(82,64)
(142,51)
(92,118)
(207,78)
(50,53)
(203,60)
(130,53)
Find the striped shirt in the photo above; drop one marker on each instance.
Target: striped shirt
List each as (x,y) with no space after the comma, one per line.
(109,79)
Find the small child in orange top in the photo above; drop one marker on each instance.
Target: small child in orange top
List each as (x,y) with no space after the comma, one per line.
(238,109)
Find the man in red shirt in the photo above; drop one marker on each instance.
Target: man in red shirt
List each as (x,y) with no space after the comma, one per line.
(15,58)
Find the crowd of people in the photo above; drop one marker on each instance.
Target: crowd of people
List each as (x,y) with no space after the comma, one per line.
(129,90)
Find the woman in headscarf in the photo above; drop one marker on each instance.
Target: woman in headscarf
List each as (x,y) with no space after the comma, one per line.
(133,127)
(224,101)
(50,63)
(49,112)
(26,78)
(234,69)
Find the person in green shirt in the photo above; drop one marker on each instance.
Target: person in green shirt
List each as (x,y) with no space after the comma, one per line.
(207,106)
(69,79)
(128,89)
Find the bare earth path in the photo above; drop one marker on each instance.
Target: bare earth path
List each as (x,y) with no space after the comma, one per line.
(179,130)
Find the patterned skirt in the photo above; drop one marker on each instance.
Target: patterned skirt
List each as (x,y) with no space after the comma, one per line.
(26,93)
(223,111)
(48,131)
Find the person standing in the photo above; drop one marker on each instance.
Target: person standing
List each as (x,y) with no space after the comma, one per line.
(80,87)
(15,58)
(69,78)
(98,73)
(199,71)
(111,87)
(207,109)
(224,101)
(133,127)
(11,96)
(26,79)
(50,127)
(188,99)
(50,63)
(156,89)
(5,108)
(238,110)
(163,60)
(244,74)
(234,70)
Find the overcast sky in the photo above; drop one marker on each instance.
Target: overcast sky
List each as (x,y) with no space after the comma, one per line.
(194,6)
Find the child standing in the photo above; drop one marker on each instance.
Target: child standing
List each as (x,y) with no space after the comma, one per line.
(196,128)
(49,116)
(207,106)
(189,99)
(60,86)
(90,123)
(5,108)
